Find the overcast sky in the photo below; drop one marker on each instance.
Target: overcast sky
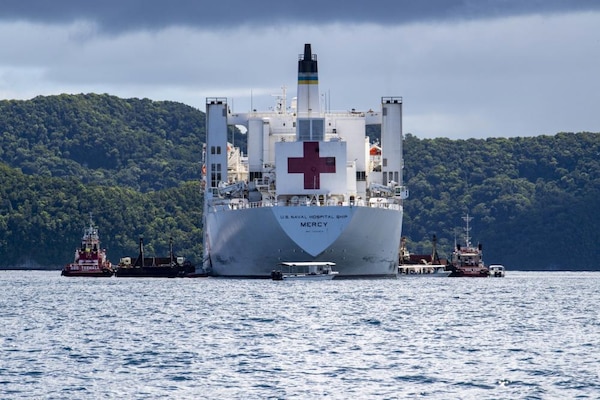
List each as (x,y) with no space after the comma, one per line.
(465,68)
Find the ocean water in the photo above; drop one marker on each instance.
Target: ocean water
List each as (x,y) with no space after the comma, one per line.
(530,335)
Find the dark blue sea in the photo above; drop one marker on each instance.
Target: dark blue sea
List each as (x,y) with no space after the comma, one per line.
(530,335)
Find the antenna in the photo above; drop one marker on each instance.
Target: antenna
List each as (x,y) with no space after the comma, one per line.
(281,101)
(467,219)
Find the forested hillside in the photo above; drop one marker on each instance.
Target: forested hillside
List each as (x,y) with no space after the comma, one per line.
(135,164)
(103,139)
(533,199)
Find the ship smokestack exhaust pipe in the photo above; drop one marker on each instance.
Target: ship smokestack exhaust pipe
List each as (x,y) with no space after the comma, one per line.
(307,51)
(308,83)
(307,63)
(310,123)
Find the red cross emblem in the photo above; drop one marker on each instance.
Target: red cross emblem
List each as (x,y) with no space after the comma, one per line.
(311,165)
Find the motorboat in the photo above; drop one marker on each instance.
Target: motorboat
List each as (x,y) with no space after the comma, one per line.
(308,270)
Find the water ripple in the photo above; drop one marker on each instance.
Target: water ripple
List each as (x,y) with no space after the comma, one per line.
(529,335)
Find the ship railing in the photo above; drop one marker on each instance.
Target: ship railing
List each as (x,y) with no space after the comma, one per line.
(388,206)
(260,204)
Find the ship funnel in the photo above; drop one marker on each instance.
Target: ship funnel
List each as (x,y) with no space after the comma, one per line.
(310,124)
(307,51)
(308,83)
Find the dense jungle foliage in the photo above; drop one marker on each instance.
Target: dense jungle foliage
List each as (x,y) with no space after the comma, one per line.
(135,164)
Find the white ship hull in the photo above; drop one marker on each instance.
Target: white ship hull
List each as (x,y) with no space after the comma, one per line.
(251,242)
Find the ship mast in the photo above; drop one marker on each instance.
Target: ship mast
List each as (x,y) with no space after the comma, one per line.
(281,101)
(467,219)
(434,254)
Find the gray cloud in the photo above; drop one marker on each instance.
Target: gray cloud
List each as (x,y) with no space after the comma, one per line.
(127,15)
(478,68)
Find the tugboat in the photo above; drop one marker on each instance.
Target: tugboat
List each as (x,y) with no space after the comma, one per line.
(155,267)
(90,259)
(467,261)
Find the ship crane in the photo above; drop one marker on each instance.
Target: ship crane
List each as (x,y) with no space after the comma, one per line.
(379,188)
(232,190)
(399,192)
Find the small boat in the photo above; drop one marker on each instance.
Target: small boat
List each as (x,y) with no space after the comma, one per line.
(428,265)
(155,267)
(312,270)
(427,270)
(90,259)
(497,270)
(467,261)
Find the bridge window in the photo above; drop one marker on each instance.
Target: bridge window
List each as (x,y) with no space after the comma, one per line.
(311,129)
(216,175)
